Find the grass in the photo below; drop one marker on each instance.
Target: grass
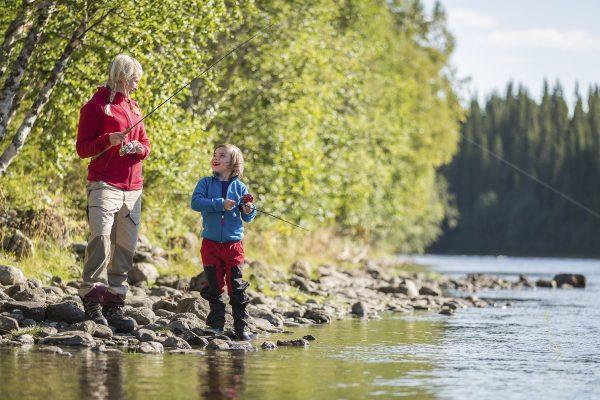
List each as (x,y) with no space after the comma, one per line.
(35,331)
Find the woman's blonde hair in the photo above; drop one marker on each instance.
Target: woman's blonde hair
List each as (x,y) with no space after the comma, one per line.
(237,159)
(123,68)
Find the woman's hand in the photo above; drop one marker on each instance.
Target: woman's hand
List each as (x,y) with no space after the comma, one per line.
(137,147)
(117,138)
(248,208)
(229,204)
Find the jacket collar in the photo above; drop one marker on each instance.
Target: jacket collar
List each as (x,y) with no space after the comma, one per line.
(214,175)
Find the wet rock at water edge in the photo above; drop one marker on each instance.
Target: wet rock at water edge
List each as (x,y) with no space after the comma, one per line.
(268,345)
(26,339)
(68,311)
(319,316)
(194,339)
(10,275)
(141,315)
(447,311)
(7,324)
(546,283)
(151,348)
(574,280)
(146,335)
(360,309)
(176,342)
(241,346)
(33,310)
(310,338)
(69,338)
(293,343)
(218,344)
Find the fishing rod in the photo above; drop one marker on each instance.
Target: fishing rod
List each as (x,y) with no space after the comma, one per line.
(248,198)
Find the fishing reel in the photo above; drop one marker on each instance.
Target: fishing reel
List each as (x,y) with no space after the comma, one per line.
(247,198)
(126,148)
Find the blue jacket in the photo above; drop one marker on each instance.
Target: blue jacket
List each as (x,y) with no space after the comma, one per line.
(217,224)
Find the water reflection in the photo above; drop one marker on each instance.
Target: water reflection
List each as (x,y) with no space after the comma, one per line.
(100,375)
(222,376)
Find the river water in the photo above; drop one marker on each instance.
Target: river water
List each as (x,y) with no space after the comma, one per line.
(546,344)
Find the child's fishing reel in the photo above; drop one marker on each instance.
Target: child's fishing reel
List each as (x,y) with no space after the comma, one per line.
(126,148)
(247,198)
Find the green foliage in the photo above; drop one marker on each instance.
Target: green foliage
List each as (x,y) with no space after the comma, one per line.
(343,109)
(501,210)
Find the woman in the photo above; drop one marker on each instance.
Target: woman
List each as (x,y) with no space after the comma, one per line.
(114,191)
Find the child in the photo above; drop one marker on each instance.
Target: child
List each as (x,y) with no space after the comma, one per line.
(219,199)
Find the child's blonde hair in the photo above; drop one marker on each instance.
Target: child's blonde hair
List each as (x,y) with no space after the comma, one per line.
(237,159)
(123,68)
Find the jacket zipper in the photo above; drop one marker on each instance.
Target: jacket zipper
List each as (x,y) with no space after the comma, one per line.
(129,174)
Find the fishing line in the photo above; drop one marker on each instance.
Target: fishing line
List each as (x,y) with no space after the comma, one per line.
(530,176)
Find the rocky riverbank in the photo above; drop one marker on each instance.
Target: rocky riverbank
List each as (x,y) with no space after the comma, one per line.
(170,313)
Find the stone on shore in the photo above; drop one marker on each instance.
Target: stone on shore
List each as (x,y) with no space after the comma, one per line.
(8,324)
(360,309)
(143,272)
(69,338)
(218,344)
(33,310)
(10,275)
(575,280)
(546,283)
(151,348)
(68,311)
(293,343)
(18,244)
(268,345)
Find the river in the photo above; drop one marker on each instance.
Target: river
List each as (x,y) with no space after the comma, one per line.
(545,344)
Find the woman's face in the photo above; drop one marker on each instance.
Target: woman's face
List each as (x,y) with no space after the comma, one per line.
(131,85)
(221,161)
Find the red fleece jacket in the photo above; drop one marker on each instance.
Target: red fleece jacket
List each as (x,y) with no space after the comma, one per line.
(124,172)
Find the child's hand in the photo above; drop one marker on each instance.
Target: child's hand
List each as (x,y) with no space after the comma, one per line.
(247,208)
(229,204)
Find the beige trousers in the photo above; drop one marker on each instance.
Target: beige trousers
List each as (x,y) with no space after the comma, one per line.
(114,219)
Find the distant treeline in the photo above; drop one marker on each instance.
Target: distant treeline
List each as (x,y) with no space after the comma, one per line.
(502,211)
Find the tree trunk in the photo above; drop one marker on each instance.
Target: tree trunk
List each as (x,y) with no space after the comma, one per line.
(12,34)
(13,148)
(18,67)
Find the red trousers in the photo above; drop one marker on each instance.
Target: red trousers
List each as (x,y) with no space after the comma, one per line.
(223,266)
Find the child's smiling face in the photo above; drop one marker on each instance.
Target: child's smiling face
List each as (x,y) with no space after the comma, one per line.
(221,162)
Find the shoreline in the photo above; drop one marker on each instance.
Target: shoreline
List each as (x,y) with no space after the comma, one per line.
(170,314)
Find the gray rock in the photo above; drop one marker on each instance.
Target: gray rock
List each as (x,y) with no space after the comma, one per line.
(546,283)
(10,275)
(197,282)
(273,319)
(139,301)
(33,310)
(69,338)
(447,311)
(103,332)
(68,311)
(309,337)
(194,339)
(409,288)
(164,313)
(19,244)
(319,316)
(430,290)
(575,280)
(176,342)
(79,249)
(301,268)
(293,343)
(26,291)
(167,305)
(151,348)
(26,339)
(241,346)
(143,272)
(360,308)
(142,315)
(146,335)
(268,345)
(194,305)
(51,349)
(8,324)
(218,344)
(178,326)
(85,326)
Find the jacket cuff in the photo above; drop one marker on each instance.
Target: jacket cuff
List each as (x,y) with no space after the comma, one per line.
(219,204)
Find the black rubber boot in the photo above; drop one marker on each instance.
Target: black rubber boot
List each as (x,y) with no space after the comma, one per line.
(239,300)
(215,320)
(244,335)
